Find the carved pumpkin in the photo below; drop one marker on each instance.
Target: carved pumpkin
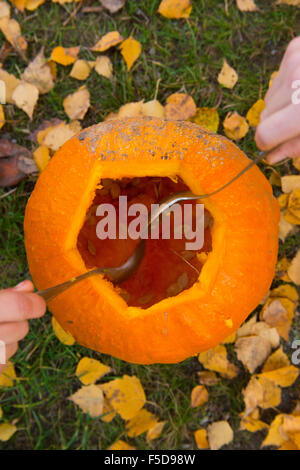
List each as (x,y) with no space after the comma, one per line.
(178,303)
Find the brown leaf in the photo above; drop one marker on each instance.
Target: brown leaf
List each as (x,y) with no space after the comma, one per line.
(207,377)
(112,5)
(252,351)
(235,126)
(11,82)
(294,269)
(180,107)
(38,73)
(246,5)
(15,163)
(12,31)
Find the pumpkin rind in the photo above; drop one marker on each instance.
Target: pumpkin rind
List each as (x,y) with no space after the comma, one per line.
(235,278)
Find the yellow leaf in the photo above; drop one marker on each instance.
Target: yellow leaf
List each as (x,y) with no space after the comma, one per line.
(283,200)
(208,118)
(175,8)
(19,4)
(291,218)
(207,377)
(216,359)
(8,376)
(130,110)
(1,413)
(7,430)
(113,38)
(291,424)
(61,334)
(230,339)
(80,70)
(89,370)
(140,423)
(286,291)
(294,203)
(11,82)
(155,431)
(201,438)
(285,227)
(25,96)
(41,157)
(275,436)
(56,136)
(227,76)
(246,5)
(153,108)
(235,126)
(4,9)
(126,395)
(290,182)
(38,73)
(2,116)
(112,5)
(130,50)
(253,115)
(180,107)
(294,3)
(281,270)
(121,445)
(271,393)
(253,395)
(32,5)
(76,104)
(199,396)
(294,269)
(252,425)
(252,351)
(283,377)
(108,411)
(65,56)
(103,66)
(90,400)
(219,434)
(12,31)
(288,445)
(277,360)
(296,163)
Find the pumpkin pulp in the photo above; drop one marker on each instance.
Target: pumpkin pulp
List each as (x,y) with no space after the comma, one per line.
(167,267)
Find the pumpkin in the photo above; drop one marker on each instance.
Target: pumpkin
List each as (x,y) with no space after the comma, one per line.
(231,273)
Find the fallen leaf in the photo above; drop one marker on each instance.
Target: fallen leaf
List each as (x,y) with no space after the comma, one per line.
(8,376)
(246,5)
(294,204)
(296,163)
(275,435)
(32,5)
(274,314)
(7,430)
(1,412)
(155,431)
(112,5)
(227,76)
(56,136)
(4,10)
(15,161)
(80,70)
(180,107)
(286,291)
(252,423)
(111,39)
(235,126)
(108,411)
(199,396)
(90,400)
(219,434)
(207,117)
(283,377)
(38,73)
(130,110)
(271,392)
(41,157)
(175,9)
(290,182)
(104,66)
(285,227)
(201,438)
(253,115)
(11,82)
(294,269)
(126,395)
(140,423)
(130,50)
(281,269)
(25,96)
(121,445)
(216,359)
(65,56)
(207,377)
(63,336)
(230,339)
(252,351)
(89,370)
(76,104)
(12,32)
(253,395)
(2,116)
(153,108)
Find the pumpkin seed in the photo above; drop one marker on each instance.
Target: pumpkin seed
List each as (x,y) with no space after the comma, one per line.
(145,298)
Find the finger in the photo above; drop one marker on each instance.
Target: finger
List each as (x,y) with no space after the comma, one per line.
(24,286)
(10,350)
(19,306)
(278,128)
(289,149)
(13,332)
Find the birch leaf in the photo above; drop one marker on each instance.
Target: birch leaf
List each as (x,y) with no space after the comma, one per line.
(111,39)
(90,400)
(25,96)
(103,66)
(130,50)
(89,370)
(76,104)
(227,76)
(175,9)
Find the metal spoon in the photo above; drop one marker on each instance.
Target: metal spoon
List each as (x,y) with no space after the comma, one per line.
(127,269)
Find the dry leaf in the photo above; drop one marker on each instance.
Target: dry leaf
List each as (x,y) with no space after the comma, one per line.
(285,227)
(89,370)
(61,334)
(253,395)
(7,430)
(8,375)
(113,38)
(108,412)
(286,291)
(277,360)
(140,423)
(253,115)
(1,413)
(252,351)
(32,5)
(155,431)
(12,31)
(227,76)
(235,126)
(153,108)
(41,157)
(207,377)
(275,435)
(246,5)
(16,163)
(271,393)
(112,5)
(130,50)
(130,110)
(104,66)
(274,314)
(38,73)
(290,182)
(4,10)
(219,434)
(76,104)
(283,377)
(56,136)
(121,445)
(90,400)
(296,163)
(294,204)
(216,359)
(230,339)
(11,82)
(2,116)
(80,70)
(25,96)
(208,118)
(175,8)
(180,107)
(64,55)
(199,396)
(126,395)
(251,422)
(294,3)
(201,438)
(294,269)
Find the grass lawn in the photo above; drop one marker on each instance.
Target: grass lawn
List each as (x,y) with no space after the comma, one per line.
(185,55)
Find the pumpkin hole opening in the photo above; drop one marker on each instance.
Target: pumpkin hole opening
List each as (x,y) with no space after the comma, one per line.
(168,268)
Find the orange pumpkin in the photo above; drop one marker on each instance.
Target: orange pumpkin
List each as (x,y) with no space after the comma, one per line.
(234,272)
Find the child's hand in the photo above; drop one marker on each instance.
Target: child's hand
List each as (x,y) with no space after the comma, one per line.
(280,120)
(17,305)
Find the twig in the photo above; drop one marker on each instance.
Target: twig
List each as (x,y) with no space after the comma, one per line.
(8,193)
